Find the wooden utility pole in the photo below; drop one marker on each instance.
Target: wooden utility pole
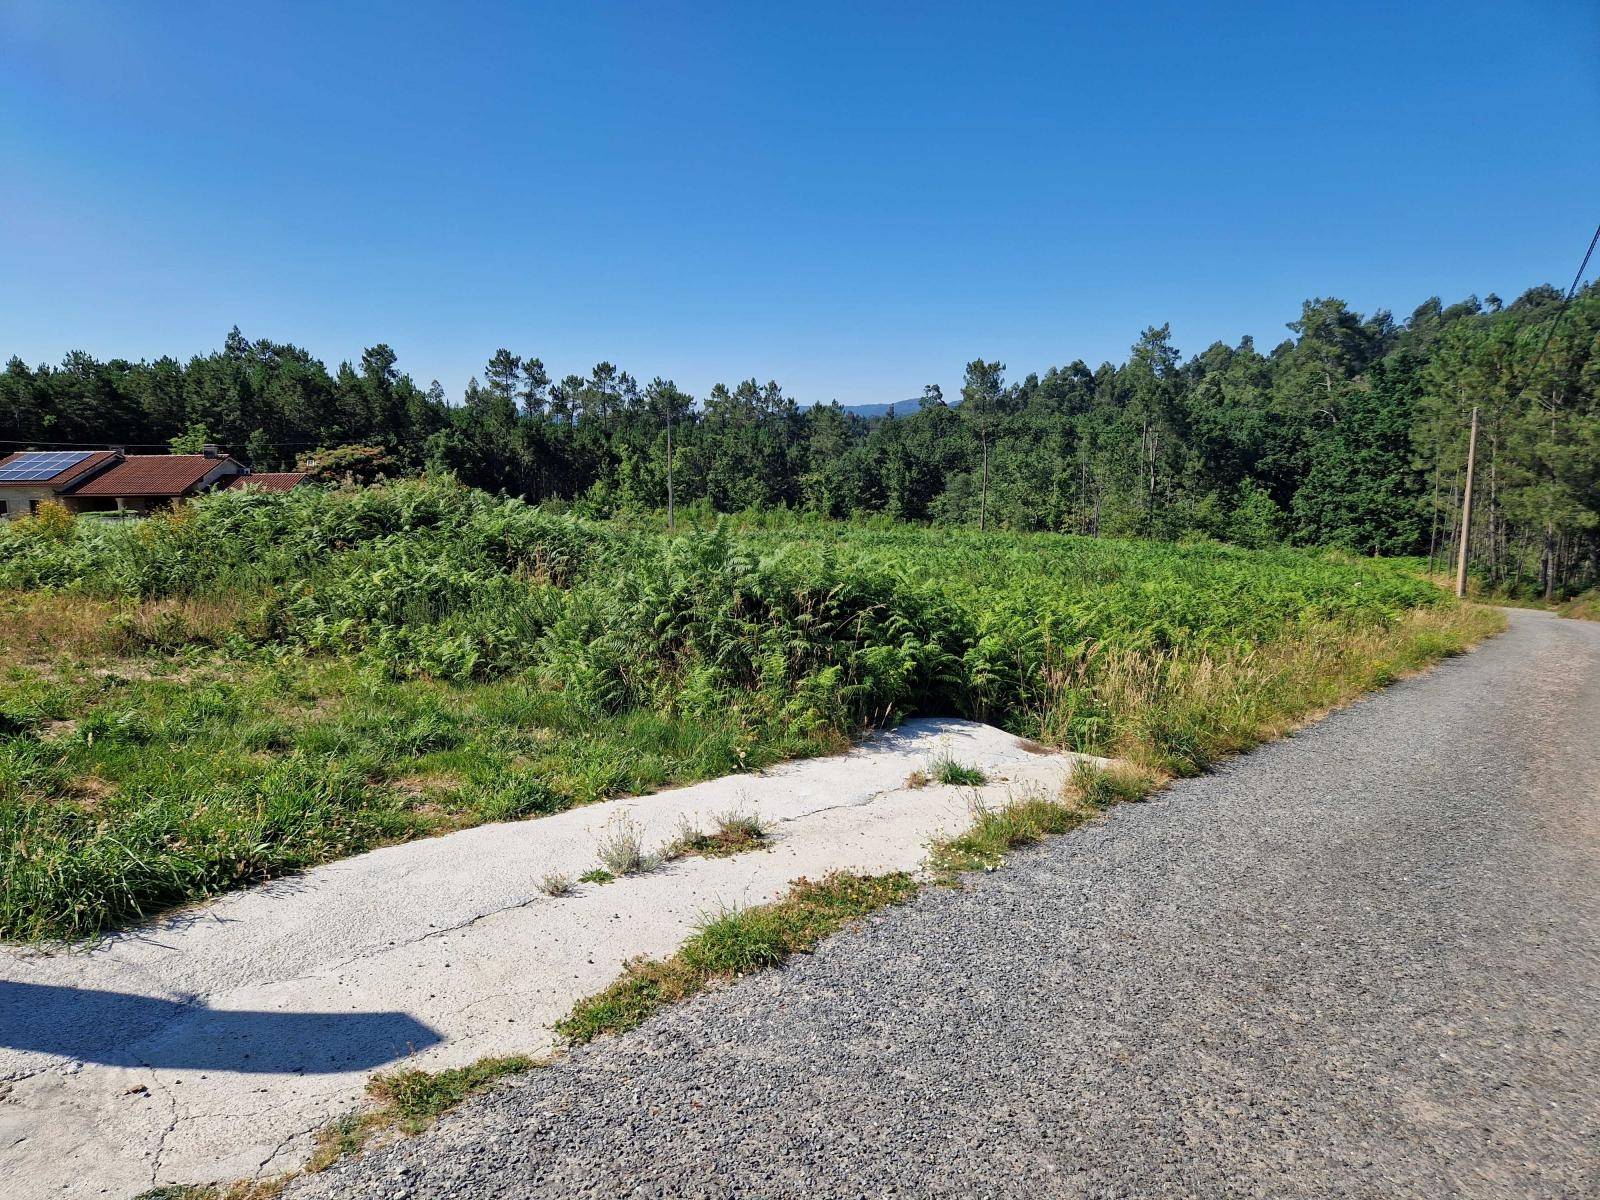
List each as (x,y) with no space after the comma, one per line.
(1466,509)
(983,503)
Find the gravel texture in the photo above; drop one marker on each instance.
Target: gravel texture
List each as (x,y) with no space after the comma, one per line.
(1360,962)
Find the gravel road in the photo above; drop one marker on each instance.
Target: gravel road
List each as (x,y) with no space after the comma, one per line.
(1361,962)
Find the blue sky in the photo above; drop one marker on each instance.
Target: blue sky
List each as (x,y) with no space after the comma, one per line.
(853,199)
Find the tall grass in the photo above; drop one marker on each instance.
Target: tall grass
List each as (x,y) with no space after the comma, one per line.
(255,683)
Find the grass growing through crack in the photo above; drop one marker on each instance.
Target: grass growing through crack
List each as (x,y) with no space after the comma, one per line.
(948,771)
(409,1102)
(734,943)
(733,832)
(622,850)
(555,884)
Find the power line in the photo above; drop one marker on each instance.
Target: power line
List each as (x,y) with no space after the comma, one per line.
(1560,312)
(139,445)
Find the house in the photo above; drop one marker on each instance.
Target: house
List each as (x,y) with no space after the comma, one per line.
(269,481)
(110,481)
(29,478)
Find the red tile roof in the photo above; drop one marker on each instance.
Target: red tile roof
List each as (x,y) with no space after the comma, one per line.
(78,470)
(269,481)
(151,475)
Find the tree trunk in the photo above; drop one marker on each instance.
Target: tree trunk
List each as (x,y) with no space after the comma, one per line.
(983,503)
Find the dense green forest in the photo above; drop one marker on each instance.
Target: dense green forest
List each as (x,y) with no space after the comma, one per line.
(1350,433)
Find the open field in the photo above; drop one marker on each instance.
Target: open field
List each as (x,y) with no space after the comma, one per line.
(257,683)
(1324,969)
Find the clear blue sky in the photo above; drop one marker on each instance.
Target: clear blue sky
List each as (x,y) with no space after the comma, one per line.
(853,199)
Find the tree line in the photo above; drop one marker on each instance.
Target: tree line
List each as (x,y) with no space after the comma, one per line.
(1351,433)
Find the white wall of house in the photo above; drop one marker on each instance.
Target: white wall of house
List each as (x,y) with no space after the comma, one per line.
(20,501)
(224,470)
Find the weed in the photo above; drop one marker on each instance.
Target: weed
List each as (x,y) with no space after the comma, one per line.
(555,884)
(415,1099)
(732,943)
(1113,784)
(946,770)
(596,875)
(622,850)
(407,1102)
(264,683)
(247,1189)
(993,831)
(734,832)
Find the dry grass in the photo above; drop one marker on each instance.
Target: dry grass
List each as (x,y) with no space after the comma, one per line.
(556,884)
(41,626)
(734,832)
(622,850)
(1582,608)
(1176,714)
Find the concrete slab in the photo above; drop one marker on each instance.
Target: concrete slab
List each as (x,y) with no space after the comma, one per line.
(214,1044)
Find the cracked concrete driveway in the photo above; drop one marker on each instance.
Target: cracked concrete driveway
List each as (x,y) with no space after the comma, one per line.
(1360,962)
(214,1044)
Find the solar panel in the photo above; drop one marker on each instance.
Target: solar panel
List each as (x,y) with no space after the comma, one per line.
(36,466)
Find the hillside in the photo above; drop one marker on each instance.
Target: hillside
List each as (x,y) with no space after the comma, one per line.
(255,682)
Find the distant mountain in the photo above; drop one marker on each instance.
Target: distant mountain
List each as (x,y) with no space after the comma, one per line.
(901,408)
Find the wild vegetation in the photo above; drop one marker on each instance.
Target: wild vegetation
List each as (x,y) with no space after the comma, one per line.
(735,943)
(255,683)
(1350,432)
(733,832)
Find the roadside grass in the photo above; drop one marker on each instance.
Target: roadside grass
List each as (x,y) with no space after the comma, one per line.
(1175,715)
(1033,816)
(412,1100)
(1303,682)
(1585,607)
(249,1189)
(734,943)
(1101,787)
(130,786)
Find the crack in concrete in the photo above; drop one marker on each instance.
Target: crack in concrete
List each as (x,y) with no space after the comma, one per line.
(192,1122)
(161,1138)
(308,1131)
(347,963)
(817,812)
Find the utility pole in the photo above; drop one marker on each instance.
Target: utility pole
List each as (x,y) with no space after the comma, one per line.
(983,504)
(1466,508)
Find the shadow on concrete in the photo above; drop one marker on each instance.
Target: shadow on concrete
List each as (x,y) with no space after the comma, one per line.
(117,1029)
